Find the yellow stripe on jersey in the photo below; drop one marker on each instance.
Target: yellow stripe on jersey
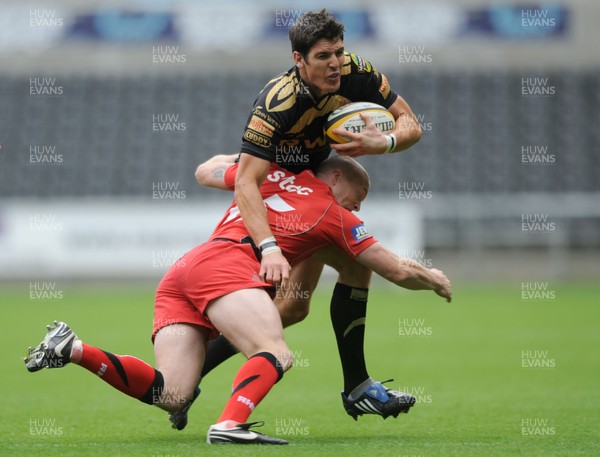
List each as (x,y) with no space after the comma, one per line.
(282,95)
(347,65)
(330,104)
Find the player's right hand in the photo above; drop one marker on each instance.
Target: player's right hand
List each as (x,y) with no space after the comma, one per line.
(369,141)
(443,287)
(275,269)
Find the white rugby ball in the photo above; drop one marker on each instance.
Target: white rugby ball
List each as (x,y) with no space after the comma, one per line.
(348,118)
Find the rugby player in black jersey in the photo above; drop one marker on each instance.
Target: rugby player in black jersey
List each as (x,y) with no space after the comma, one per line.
(286,127)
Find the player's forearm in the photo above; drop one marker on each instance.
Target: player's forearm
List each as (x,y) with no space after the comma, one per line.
(252,210)
(251,173)
(407,132)
(212,172)
(414,276)
(403,272)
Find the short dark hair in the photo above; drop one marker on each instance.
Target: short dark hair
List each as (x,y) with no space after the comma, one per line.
(352,171)
(312,27)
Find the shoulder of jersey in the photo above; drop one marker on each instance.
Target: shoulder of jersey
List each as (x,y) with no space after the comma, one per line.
(353,63)
(280,93)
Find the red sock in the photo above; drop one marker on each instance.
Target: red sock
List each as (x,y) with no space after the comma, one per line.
(128,374)
(252,383)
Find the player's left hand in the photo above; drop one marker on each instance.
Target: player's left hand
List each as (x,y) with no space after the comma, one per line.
(275,269)
(368,142)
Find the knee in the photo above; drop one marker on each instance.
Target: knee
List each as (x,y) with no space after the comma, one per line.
(292,311)
(295,315)
(354,274)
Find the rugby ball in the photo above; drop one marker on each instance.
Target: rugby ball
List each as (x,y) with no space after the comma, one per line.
(348,118)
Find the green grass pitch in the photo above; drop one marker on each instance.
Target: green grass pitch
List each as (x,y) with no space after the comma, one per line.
(494,374)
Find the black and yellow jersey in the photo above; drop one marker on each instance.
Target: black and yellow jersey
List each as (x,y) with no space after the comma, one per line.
(286,123)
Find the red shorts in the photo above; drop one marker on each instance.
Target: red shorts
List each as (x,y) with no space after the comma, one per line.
(210,270)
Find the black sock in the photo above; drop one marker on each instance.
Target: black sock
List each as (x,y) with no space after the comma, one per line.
(348,316)
(219,350)
(156,389)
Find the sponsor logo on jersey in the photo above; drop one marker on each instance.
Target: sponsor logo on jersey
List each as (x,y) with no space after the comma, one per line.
(361,64)
(259,111)
(385,86)
(287,183)
(258,125)
(275,202)
(360,232)
(308,143)
(258,139)
(317,115)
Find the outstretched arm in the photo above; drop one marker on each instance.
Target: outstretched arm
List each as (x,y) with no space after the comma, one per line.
(212,172)
(405,272)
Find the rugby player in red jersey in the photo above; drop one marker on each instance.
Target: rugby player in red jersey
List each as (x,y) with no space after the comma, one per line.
(286,127)
(216,287)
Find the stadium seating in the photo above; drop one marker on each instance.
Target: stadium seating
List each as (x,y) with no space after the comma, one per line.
(103,129)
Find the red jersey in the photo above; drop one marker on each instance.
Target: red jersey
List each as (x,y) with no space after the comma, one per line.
(303,215)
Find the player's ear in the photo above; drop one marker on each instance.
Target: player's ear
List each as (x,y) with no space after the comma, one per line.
(297,59)
(337,175)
